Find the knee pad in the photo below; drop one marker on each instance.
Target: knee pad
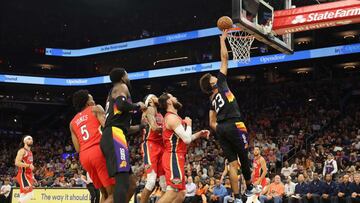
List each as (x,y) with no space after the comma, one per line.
(162,183)
(150,181)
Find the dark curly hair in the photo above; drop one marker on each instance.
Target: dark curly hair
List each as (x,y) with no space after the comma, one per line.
(163,101)
(117,74)
(80,98)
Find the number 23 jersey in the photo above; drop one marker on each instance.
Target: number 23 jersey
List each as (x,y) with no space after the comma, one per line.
(224,102)
(87,128)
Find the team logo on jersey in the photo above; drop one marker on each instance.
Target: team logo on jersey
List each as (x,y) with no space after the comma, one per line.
(123,164)
(176,181)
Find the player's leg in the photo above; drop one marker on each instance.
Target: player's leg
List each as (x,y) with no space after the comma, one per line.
(240,143)
(132,187)
(231,156)
(169,196)
(161,172)
(104,195)
(121,187)
(150,162)
(180,197)
(109,191)
(149,186)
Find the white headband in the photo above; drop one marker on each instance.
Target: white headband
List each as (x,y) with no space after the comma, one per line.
(148,99)
(27,137)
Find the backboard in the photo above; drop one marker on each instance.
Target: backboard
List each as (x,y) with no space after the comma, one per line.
(256,17)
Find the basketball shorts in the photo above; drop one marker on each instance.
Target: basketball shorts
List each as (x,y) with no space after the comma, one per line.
(232,135)
(152,153)
(174,167)
(116,150)
(26,182)
(94,163)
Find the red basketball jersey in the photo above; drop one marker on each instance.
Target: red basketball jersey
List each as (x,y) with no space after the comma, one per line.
(27,159)
(87,128)
(152,135)
(172,142)
(257,172)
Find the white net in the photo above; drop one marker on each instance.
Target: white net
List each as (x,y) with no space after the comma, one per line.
(240,43)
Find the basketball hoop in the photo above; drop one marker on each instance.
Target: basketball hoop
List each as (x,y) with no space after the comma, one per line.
(240,42)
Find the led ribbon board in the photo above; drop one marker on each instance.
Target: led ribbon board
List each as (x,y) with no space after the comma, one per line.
(195,68)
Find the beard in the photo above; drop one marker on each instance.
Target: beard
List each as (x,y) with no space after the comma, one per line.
(177,105)
(30,144)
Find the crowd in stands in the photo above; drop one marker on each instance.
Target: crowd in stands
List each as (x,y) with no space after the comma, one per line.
(310,142)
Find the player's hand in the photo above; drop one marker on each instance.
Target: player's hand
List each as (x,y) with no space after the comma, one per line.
(188,121)
(224,35)
(353,195)
(142,106)
(32,167)
(205,133)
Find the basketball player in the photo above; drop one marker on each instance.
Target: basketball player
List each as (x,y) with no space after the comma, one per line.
(25,176)
(86,133)
(153,147)
(119,110)
(259,169)
(226,120)
(177,133)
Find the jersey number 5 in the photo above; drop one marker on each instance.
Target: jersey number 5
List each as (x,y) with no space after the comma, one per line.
(84,132)
(218,102)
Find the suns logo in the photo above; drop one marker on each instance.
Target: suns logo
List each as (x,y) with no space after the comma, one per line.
(123,164)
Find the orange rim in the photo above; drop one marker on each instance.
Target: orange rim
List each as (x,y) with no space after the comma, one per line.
(237,29)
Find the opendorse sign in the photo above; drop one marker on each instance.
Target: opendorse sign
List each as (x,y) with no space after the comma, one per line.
(56,195)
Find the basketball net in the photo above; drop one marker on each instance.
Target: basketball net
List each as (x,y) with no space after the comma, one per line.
(240,43)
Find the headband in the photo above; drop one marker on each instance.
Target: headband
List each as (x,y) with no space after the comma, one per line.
(147,100)
(27,137)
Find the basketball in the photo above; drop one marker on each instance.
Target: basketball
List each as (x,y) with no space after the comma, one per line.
(224,23)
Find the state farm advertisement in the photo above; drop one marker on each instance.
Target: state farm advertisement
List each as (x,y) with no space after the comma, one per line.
(316,17)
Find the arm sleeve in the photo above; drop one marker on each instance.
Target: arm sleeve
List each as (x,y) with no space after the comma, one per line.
(123,105)
(222,83)
(185,135)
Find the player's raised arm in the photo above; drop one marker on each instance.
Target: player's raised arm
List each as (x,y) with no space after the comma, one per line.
(185,134)
(150,116)
(19,156)
(224,55)
(121,93)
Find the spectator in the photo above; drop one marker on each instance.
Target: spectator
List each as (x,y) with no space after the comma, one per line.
(314,189)
(329,190)
(201,192)
(330,166)
(355,188)
(286,170)
(219,193)
(301,189)
(190,191)
(344,189)
(5,192)
(289,188)
(275,192)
